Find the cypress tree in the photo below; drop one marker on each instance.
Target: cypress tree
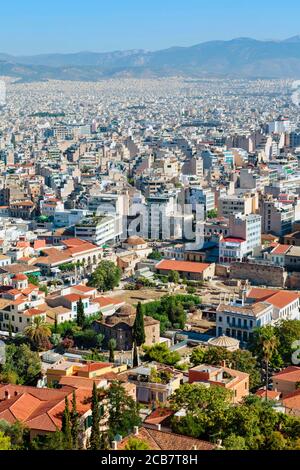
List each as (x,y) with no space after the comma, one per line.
(135,361)
(139,327)
(55,324)
(66,426)
(80,313)
(95,439)
(74,423)
(112,346)
(10,329)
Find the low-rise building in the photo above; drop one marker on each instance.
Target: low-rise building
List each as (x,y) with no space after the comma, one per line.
(220,376)
(188,269)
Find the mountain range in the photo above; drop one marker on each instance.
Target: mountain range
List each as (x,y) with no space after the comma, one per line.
(237,58)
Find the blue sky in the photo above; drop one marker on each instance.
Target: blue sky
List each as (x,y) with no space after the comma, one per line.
(33,27)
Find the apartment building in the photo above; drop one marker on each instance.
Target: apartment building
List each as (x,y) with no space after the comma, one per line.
(97,230)
(237,204)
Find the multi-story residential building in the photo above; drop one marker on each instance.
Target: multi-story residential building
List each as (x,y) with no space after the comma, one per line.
(98,230)
(277,218)
(237,203)
(248,228)
(200,196)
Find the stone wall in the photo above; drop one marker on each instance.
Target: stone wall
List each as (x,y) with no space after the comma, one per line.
(259,274)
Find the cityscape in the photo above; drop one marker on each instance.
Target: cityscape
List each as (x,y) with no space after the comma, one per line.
(150,251)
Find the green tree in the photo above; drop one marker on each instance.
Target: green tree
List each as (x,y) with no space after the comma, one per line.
(138,331)
(38,333)
(136,444)
(234,442)
(10,329)
(205,409)
(287,332)
(161,353)
(74,422)
(66,426)
(155,255)
(22,365)
(174,277)
(95,439)
(212,214)
(269,344)
(123,411)
(135,360)
(112,346)
(17,433)
(80,313)
(106,277)
(5,443)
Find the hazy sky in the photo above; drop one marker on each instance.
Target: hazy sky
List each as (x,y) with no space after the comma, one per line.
(37,26)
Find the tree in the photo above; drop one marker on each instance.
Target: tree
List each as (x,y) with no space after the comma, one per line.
(123,411)
(106,277)
(205,409)
(174,277)
(161,353)
(136,444)
(138,331)
(5,443)
(155,255)
(66,426)
(112,346)
(10,329)
(74,423)
(212,214)
(95,439)
(287,332)
(234,442)
(80,313)
(269,343)
(22,365)
(135,359)
(38,333)
(17,433)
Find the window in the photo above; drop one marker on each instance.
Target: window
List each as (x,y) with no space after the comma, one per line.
(220,319)
(20,319)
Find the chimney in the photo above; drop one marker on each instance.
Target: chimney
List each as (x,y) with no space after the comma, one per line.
(136,430)
(7,395)
(114,445)
(158,427)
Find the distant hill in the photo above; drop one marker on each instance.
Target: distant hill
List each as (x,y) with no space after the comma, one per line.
(241,57)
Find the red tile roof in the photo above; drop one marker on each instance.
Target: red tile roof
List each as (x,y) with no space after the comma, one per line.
(280,249)
(278,298)
(233,240)
(290,374)
(182,266)
(159,440)
(39,409)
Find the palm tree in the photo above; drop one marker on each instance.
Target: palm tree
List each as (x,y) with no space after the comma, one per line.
(269,345)
(38,333)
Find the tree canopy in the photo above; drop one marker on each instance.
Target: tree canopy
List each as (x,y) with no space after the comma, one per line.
(106,276)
